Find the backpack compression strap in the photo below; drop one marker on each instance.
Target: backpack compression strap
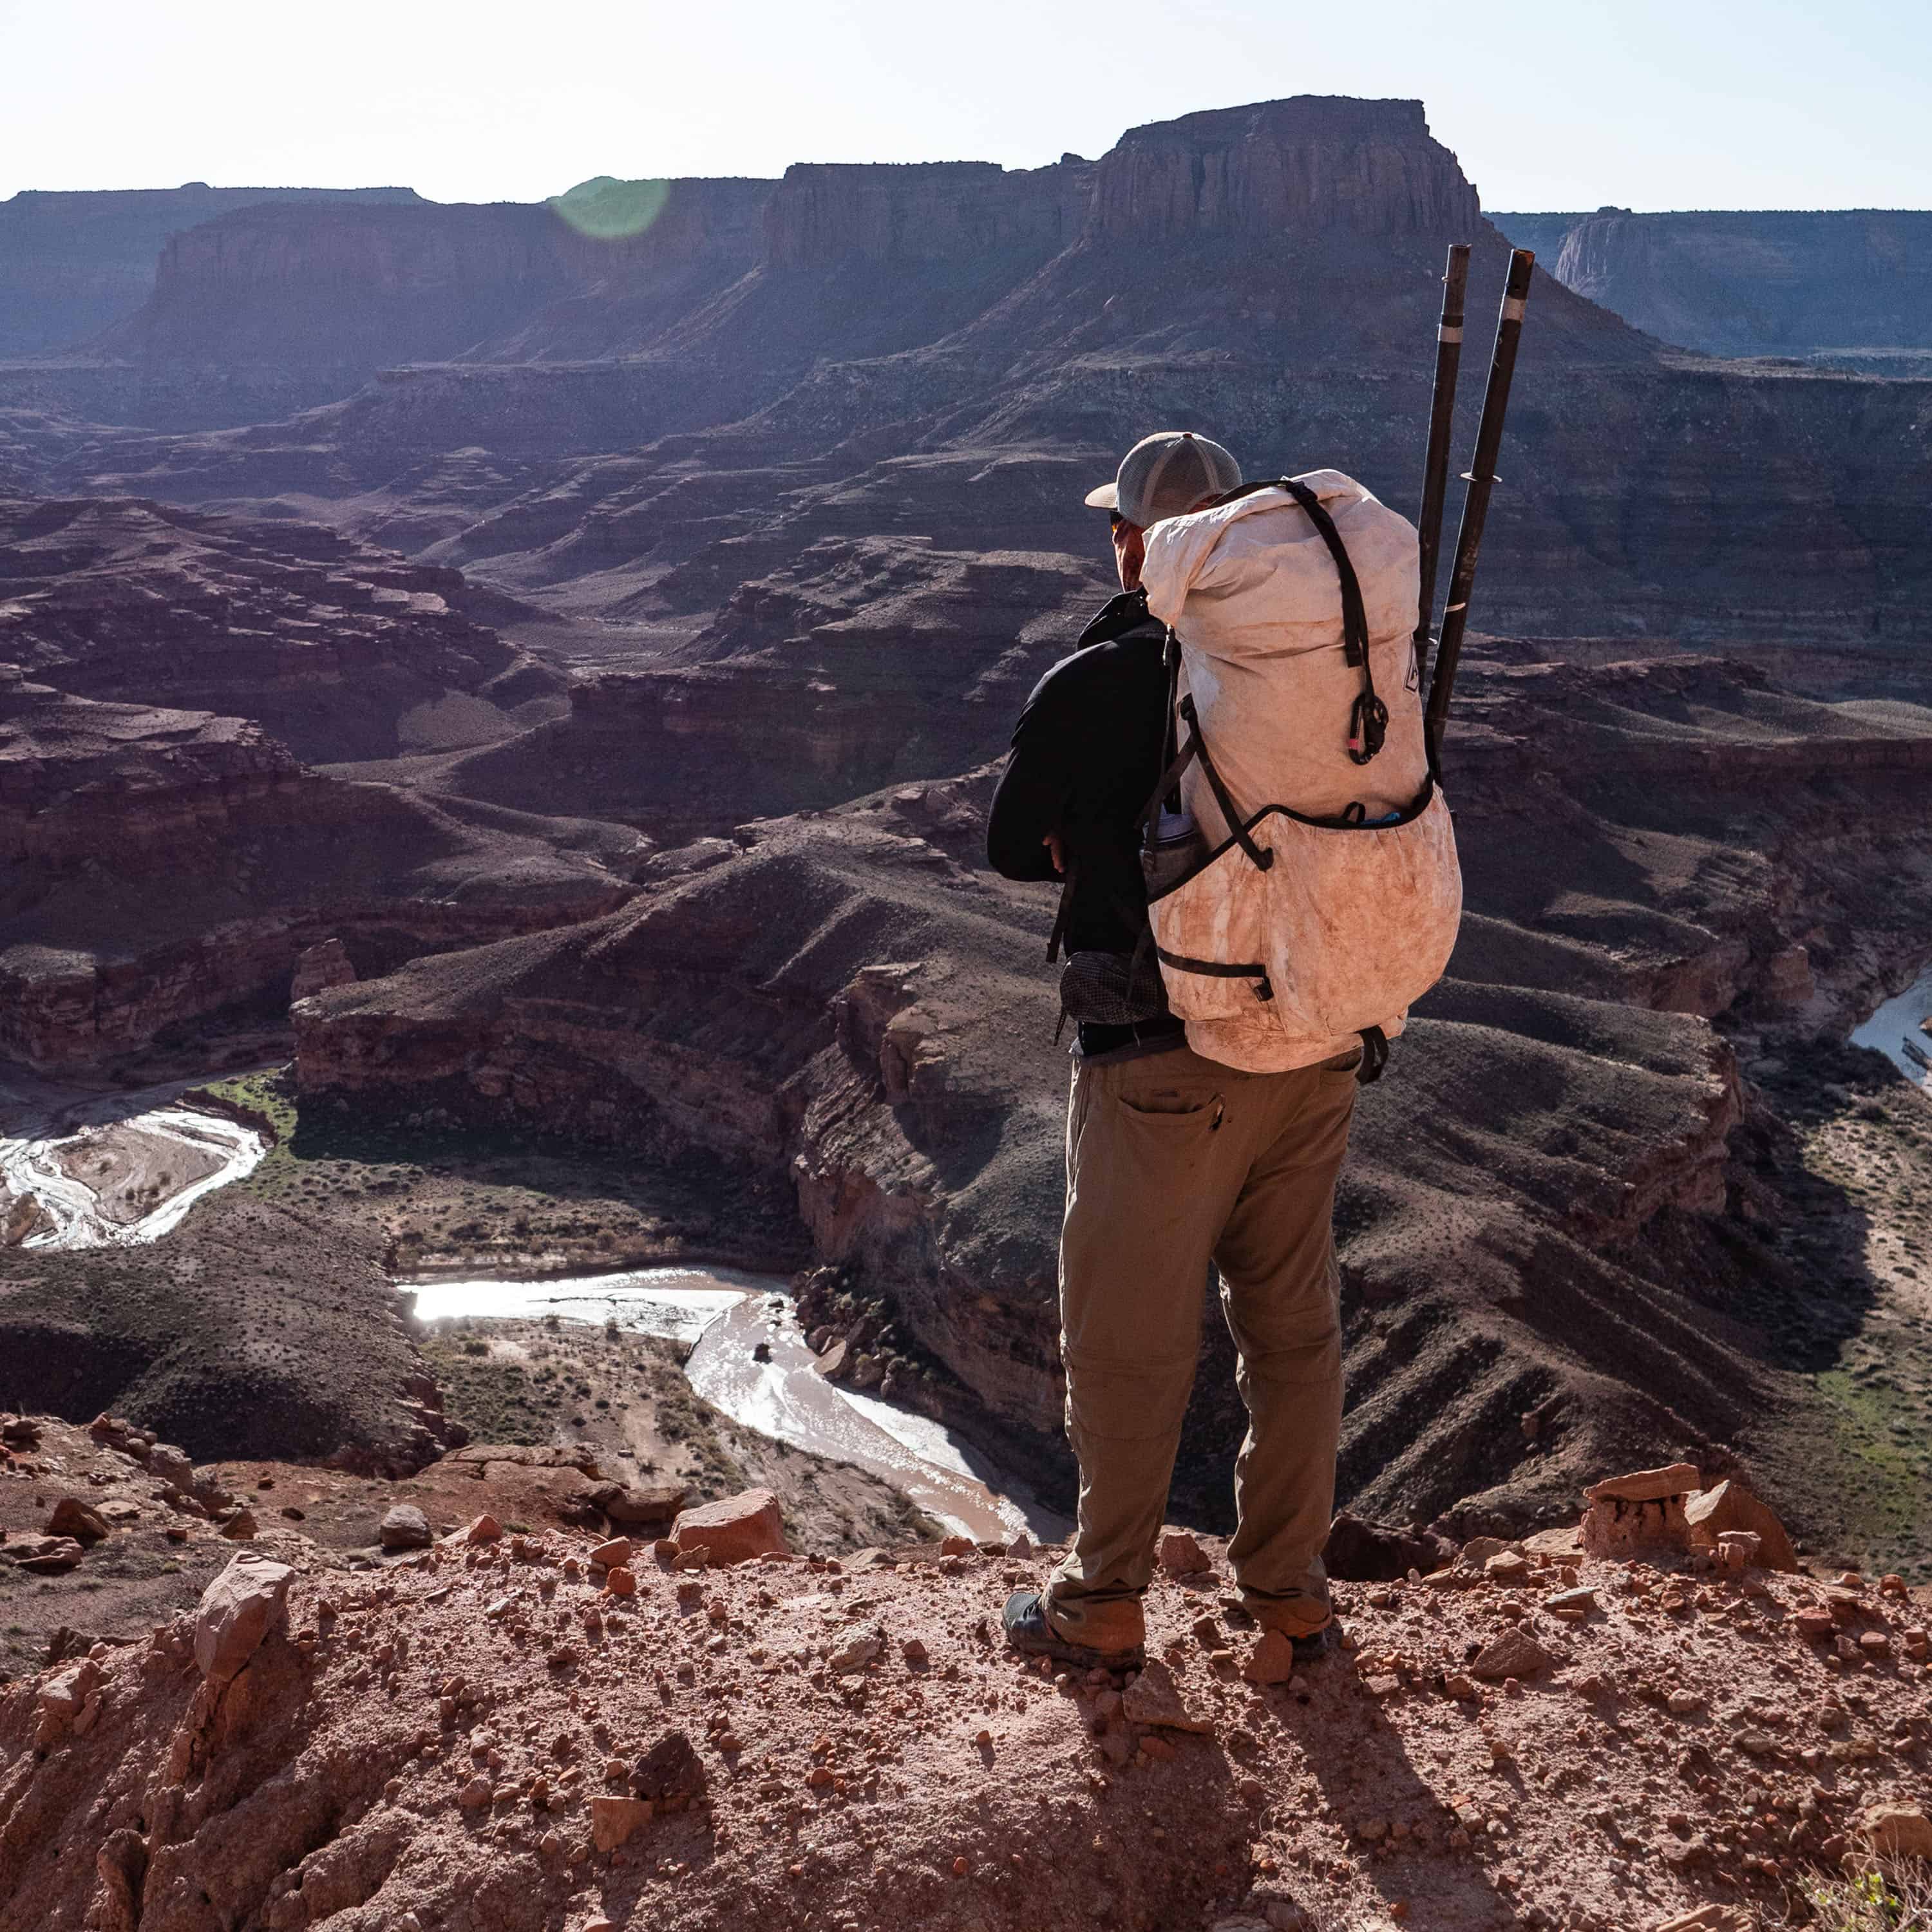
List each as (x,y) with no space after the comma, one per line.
(1196,747)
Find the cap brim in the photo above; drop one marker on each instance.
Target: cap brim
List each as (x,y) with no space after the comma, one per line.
(1107,497)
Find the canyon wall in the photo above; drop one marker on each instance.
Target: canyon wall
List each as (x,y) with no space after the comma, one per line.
(72,263)
(342,650)
(160,868)
(821,214)
(1850,288)
(1312,162)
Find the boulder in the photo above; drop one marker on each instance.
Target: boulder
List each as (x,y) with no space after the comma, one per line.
(1271,1660)
(1739,1548)
(1647,1485)
(747,1525)
(671,1768)
(614,1554)
(1360,1552)
(1515,1653)
(1729,1505)
(1644,1510)
(238,1610)
(241,1526)
(1154,1698)
(405,1527)
(61,1697)
(1179,1555)
(81,1521)
(613,1819)
(484,1529)
(46,1556)
(1896,1830)
(630,1506)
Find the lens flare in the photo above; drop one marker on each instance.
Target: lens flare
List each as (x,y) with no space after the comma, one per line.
(604,209)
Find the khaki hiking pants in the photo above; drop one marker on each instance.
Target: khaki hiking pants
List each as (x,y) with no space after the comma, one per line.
(1173,1161)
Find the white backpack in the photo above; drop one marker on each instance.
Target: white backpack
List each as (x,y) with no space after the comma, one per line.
(1306,889)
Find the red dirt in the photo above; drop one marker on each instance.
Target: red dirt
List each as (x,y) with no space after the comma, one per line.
(966,1790)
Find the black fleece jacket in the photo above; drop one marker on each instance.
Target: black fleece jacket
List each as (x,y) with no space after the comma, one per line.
(1086,754)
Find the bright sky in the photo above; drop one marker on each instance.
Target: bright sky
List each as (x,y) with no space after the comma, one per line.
(1552,104)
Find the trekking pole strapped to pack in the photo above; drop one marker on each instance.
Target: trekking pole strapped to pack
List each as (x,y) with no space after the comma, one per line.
(1435,462)
(1481,479)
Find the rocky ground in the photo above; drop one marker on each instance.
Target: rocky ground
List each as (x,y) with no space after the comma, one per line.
(166,1523)
(535,1730)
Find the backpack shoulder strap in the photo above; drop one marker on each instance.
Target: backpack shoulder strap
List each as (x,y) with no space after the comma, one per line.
(1368,718)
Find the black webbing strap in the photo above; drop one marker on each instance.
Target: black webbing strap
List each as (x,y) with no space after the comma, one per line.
(1173,760)
(1059,931)
(1368,717)
(1375,1056)
(1217,969)
(1242,836)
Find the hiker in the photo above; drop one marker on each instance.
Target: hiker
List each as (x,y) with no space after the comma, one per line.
(1216,1055)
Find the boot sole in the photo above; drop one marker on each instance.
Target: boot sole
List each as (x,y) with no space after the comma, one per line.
(1064,1652)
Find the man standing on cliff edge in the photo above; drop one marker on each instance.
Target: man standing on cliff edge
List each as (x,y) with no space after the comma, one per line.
(1174,1162)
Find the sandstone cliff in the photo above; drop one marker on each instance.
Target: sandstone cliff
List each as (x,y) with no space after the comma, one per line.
(72,263)
(822,216)
(1849,288)
(260,309)
(1313,162)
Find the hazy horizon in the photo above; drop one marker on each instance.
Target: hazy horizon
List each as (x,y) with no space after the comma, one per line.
(1780,104)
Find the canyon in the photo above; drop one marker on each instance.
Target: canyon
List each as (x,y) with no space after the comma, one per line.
(539,671)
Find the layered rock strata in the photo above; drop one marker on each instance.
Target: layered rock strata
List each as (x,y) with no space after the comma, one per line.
(844,1002)
(167,866)
(1268,272)
(341,650)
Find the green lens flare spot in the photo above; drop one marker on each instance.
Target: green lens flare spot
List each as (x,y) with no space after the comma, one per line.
(606,210)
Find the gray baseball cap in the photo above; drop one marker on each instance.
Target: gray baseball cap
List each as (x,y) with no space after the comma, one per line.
(1166,475)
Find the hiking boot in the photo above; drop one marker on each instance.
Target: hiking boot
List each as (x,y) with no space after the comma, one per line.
(1310,1626)
(1029,1632)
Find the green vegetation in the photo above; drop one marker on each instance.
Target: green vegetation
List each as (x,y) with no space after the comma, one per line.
(1892,1896)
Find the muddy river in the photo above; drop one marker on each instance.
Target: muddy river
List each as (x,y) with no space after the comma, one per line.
(1897,1030)
(86,1170)
(726,1315)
